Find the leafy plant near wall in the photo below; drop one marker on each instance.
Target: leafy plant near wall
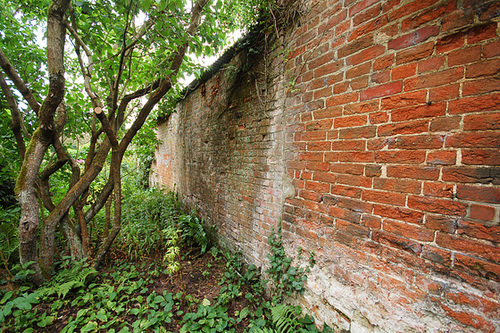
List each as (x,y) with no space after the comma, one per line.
(288,319)
(126,299)
(193,232)
(287,278)
(147,216)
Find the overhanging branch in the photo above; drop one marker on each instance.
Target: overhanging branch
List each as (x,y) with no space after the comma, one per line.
(18,82)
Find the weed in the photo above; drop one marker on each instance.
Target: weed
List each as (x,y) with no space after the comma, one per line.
(208,319)
(287,278)
(123,299)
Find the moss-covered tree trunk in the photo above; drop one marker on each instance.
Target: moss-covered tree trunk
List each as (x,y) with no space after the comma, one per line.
(41,139)
(25,191)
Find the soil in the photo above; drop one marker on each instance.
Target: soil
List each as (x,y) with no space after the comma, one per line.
(199,276)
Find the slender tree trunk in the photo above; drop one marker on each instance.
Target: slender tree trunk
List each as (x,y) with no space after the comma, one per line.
(47,241)
(84,231)
(56,33)
(107,221)
(116,159)
(74,243)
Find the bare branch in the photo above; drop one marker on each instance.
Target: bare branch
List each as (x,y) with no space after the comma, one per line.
(18,82)
(17,124)
(108,129)
(86,70)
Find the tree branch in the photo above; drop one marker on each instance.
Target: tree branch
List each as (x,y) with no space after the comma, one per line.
(17,124)
(106,127)
(86,70)
(18,82)
(116,84)
(166,83)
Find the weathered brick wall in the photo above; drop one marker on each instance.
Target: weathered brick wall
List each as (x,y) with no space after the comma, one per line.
(222,150)
(389,130)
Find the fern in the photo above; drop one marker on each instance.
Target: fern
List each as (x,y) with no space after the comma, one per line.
(68,279)
(285,318)
(172,254)
(262,330)
(193,231)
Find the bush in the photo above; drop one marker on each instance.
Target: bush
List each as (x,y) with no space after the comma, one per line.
(148,218)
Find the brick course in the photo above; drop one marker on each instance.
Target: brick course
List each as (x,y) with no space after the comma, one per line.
(382,157)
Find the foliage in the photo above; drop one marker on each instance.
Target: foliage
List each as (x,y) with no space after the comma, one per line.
(9,210)
(124,300)
(74,275)
(102,304)
(208,319)
(172,255)
(287,278)
(288,319)
(193,232)
(264,315)
(152,223)
(9,245)
(122,64)
(147,214)
(136,167)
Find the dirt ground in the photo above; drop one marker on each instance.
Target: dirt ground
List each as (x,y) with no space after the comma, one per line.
(199,277)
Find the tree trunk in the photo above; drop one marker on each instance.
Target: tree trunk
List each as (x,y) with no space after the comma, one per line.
(84,231)
(107,220)
(42,137)
(116,159)
(29,221)
(74,243)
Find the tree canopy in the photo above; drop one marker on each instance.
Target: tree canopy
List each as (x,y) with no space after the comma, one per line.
(92,72)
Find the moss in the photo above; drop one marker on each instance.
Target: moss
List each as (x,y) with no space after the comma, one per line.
(21,178)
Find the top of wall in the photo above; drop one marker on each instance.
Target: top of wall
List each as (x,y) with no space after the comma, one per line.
(242,44)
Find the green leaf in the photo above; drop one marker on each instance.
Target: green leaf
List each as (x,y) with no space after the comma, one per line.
(46,321)
(244,313)
(101,315)
(6,297)
(91,326)
(81,313)
(22,304)
(159,299)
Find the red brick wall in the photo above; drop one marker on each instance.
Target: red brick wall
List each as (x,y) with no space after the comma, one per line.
(391,138)
(222,152)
